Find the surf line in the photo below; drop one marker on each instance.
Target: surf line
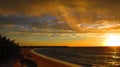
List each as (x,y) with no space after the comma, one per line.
(56,60)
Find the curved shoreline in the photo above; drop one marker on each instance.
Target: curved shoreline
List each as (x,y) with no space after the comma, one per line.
(56,60)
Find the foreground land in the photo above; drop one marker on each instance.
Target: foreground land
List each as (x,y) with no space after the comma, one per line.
(40,61)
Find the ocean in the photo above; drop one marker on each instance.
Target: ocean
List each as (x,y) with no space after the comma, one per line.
(85,56)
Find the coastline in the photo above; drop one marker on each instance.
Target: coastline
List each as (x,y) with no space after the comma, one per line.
(56,60)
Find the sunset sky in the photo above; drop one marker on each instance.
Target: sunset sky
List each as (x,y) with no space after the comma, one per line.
(59,22)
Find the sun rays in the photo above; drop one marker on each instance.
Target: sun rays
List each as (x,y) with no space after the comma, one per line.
(112,40)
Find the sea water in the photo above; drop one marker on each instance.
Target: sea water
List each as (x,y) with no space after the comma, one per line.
(85,56)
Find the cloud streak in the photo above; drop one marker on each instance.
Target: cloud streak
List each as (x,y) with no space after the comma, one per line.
(62,15)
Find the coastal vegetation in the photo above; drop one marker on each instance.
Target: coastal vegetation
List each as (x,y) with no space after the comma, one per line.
(11,56)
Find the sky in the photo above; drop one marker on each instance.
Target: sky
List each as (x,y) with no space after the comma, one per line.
(59,22)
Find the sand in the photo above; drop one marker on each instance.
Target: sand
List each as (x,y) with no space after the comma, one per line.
(42,61)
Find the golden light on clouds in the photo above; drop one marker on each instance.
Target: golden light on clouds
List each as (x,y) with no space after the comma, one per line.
(63,21)
(71,19)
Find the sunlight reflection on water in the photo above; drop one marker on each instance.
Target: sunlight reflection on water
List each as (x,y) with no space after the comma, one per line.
(94,56)
(115,56)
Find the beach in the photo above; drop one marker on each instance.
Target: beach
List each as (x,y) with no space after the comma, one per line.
(81,56)
(42,61)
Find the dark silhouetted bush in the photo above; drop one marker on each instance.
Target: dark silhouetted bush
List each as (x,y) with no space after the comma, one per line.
(9,50)
(29,63)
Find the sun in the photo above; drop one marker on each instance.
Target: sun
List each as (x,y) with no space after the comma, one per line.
(112,40)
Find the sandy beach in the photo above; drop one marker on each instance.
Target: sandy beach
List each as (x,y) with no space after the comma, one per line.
(42,61)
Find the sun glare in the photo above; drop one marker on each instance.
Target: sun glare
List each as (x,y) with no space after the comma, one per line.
(112,40)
